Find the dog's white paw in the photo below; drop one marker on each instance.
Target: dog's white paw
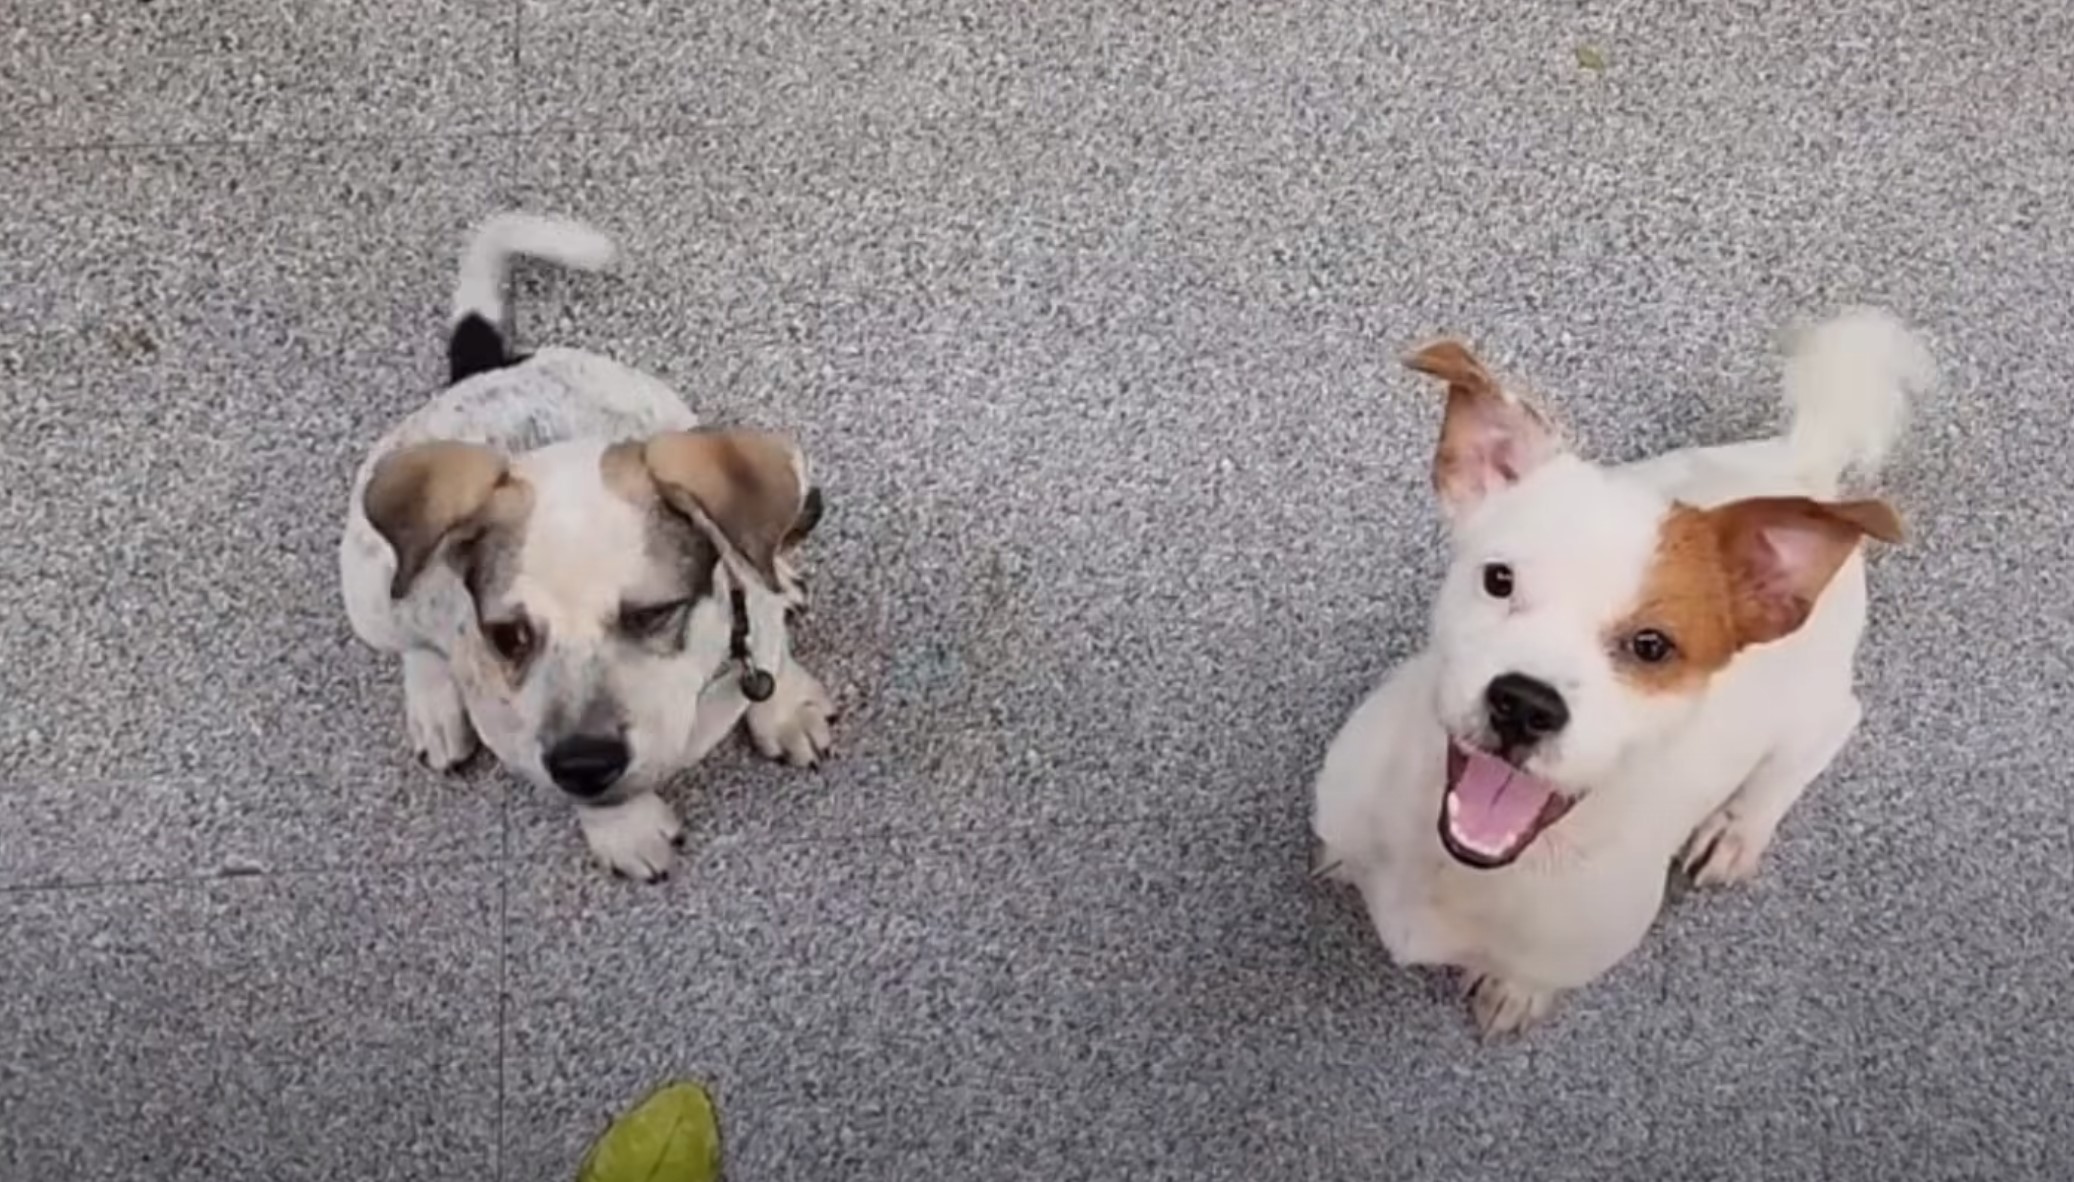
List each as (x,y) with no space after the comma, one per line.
(440,734)
(793,723)
(1726,849)
(636,838)
(1503,1007)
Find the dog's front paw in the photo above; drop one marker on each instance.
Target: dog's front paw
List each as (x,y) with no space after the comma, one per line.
(1503,1007)
(1726,849)
(441,739)
(793,723)
(636,838)
(440,734)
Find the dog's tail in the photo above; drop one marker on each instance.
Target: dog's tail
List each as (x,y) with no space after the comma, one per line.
(477,341)
(1848,385)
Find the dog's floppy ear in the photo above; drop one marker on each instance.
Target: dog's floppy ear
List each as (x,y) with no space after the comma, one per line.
(1780,553)
(419,495)
(1489,438)
(748,485)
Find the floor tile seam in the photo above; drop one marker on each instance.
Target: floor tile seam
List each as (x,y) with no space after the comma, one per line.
(519,129)
(507,192)
(503,1007)
(25,149)
(1006,829)
(333,870)
(18,784)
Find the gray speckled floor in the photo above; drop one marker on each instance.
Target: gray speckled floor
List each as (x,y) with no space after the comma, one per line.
(1088,311)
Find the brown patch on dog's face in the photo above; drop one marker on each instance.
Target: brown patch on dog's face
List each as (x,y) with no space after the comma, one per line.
(682,553)
(488,562)
(1748,572)
(1682,628)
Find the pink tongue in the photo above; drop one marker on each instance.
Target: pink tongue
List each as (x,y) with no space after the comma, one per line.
(1495,803)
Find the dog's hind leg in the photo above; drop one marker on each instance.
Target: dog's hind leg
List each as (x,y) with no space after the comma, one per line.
(440,732)
(1728,845)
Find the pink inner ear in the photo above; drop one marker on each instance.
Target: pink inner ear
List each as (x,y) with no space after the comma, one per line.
(1776,559)
(1785,553)
(1508,459)
(1786,564)
(1491,458)
(1488,442)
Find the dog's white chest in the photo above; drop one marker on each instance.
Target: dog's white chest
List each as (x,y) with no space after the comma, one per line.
(1412,921)
(1554,916)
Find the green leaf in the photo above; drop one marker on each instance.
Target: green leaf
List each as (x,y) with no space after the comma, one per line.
(672,1135)
(1590,58)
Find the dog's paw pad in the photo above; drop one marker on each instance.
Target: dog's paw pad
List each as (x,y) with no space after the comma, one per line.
(795,724)
(636,839)
(1502,1008)
(1724,850)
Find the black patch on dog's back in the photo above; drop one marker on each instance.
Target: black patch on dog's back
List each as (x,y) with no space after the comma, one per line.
(475,347)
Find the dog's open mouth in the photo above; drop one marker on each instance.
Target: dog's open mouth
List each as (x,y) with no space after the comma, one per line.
(1492,810)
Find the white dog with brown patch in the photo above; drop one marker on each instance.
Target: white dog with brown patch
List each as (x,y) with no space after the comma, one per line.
(1628,666)
(575,572)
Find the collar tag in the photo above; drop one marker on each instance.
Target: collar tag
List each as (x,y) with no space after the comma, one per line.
(757,684)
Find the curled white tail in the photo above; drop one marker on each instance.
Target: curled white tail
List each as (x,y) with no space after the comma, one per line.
(486,263)
(1848,385)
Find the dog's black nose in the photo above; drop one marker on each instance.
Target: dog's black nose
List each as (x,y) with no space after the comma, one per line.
(585,765)
(1524,710)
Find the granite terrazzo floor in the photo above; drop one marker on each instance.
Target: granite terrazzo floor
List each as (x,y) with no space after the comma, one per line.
(1088,313)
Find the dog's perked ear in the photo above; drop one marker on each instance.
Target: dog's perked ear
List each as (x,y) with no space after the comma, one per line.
(419,495)
(749,485)
(1489,438)
(1781,552)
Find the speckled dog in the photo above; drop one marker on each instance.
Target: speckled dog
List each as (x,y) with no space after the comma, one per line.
(574,571)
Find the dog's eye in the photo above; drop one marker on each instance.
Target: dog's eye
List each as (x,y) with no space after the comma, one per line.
(512,639)
(1497,580)
(1651,647)
(656,621)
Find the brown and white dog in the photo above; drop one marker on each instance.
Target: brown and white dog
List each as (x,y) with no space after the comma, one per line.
(1627,666)
(574,571)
